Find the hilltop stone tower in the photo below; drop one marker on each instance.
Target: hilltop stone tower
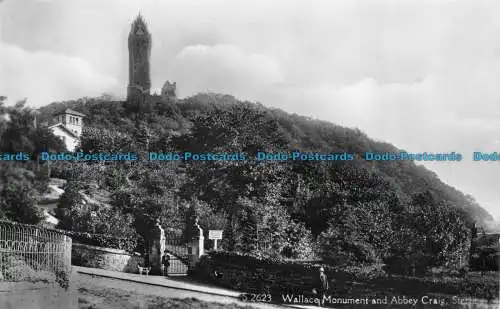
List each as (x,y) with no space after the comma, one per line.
(139,48)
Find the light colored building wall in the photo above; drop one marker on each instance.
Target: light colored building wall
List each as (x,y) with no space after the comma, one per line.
(70,141)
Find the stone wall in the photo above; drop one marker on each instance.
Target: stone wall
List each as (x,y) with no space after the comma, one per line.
(28,295)
(104,258)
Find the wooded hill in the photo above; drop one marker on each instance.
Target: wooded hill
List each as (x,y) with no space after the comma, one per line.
(352,212)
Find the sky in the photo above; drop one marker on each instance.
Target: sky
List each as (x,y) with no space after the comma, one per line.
(423,75)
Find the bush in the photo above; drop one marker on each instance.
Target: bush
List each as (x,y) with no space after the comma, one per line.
(233,270)
(63,278)
(65,170)
(19,270)
(258,262)
(99,240)
(365,273)
(252,262)
(110,227)
(300,244)
(18,196)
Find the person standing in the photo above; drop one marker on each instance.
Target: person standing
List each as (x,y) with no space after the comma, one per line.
(322,286)
(165,263)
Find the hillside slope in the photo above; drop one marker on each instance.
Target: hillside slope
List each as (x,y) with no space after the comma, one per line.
(299,133)
(349,213)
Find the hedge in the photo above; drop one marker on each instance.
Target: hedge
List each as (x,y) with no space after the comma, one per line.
(369,280)
(100,240)
(354,273)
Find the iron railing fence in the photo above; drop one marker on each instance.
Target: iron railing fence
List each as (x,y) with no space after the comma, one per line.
(30,253)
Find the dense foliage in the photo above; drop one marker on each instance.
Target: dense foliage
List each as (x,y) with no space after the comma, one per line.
(20,182)
(124,242)
(352,213)
(484,251)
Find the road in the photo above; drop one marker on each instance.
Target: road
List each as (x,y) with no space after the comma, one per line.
(104,293)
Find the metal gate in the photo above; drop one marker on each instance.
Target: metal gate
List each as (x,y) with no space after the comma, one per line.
(179,251)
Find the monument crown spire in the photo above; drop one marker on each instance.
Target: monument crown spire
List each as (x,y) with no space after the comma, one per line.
(139,22)
(139,46)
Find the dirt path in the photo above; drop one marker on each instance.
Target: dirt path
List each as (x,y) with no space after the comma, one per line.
(104,293)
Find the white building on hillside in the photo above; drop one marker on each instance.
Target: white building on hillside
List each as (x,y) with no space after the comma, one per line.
(68,127)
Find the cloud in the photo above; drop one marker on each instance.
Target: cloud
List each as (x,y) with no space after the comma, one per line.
(422,75)
(225,68)
(45,76)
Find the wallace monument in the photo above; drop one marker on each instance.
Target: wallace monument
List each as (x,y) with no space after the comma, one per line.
(139,47)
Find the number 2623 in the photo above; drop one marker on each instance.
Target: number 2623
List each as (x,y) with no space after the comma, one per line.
(256,297)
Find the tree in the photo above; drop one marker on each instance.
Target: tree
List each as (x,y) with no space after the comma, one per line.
(77,215)
(45,141)
(358,234)
(442,227)
(17,135)
(4,118)
(18,197)
(430,234)
(300,243)
(20,134)
(102,140)
(148,193)
(235,128)
(69,203)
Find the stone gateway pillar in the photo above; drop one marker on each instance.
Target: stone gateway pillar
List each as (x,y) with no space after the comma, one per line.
(157,248)
(197,245)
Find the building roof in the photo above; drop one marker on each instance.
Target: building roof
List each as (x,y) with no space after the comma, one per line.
(71,112)
(63,127)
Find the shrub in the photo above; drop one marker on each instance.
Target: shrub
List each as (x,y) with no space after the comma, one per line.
(300,244)
(365,273)
(250,273)
(100,240)
(110,227)
(19,270)
(18,196)
(63,278)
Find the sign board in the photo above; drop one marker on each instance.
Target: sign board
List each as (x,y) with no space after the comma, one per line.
(215,234)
